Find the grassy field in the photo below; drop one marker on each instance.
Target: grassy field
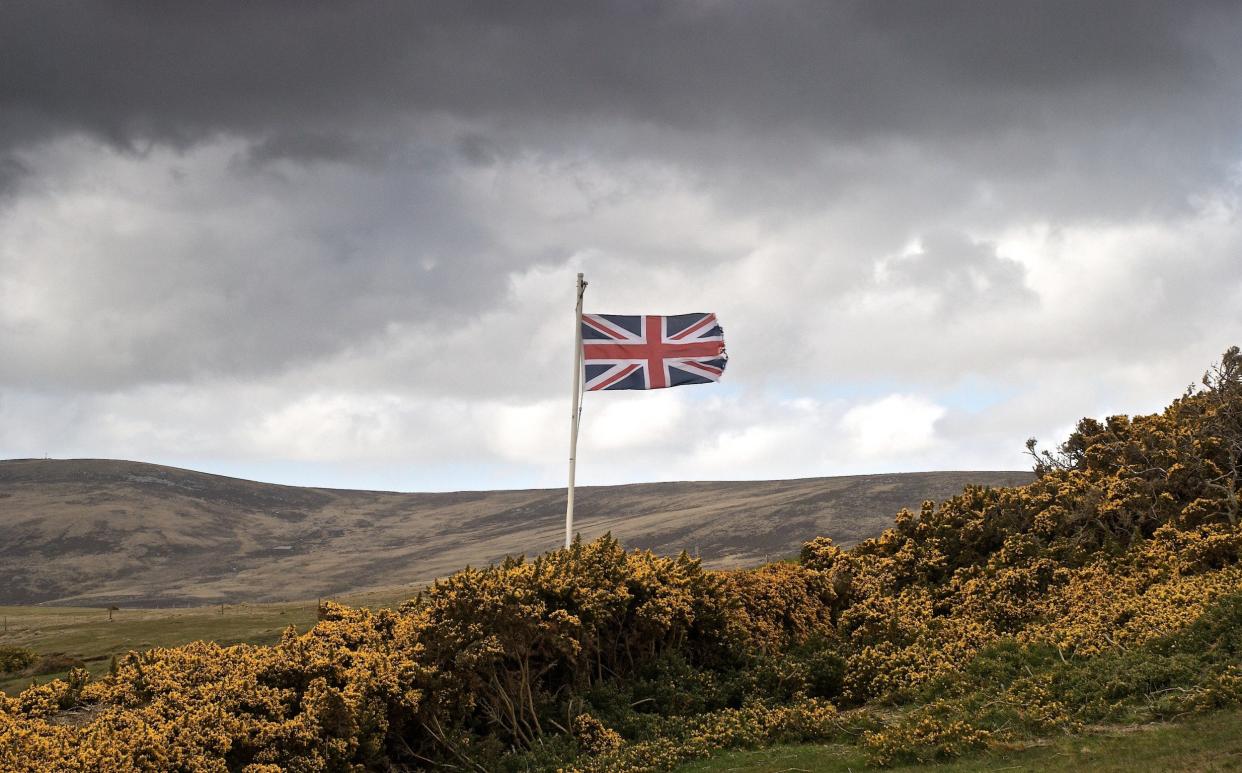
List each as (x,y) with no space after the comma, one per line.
(86,633)
(1207,743)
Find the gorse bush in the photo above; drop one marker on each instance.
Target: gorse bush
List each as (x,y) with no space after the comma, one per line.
(14,659)
(1109,589)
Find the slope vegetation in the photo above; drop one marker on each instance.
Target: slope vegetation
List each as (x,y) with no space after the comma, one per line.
(102,532)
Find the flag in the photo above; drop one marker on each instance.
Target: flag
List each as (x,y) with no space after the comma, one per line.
(651,352)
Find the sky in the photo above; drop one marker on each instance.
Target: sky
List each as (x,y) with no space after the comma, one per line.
(335,244)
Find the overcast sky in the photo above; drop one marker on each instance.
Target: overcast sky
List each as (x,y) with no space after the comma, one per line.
(335,244)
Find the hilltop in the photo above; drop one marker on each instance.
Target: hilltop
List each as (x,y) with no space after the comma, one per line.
(93,531)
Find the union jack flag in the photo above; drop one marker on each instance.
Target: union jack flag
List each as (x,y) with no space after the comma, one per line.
(651,352)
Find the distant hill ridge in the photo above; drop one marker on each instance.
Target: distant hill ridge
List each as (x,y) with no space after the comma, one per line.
(97,531)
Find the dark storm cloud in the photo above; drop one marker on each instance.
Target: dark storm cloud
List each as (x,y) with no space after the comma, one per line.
(141,71)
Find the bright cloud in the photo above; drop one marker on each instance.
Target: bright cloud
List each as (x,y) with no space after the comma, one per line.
(893,426)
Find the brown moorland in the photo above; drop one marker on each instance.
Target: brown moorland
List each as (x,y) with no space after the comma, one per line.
(91,532)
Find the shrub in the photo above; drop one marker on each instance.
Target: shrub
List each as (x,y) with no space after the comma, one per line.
(923,737)
(592,737)
(14,659)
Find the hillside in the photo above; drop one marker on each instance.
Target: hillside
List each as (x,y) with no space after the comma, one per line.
(101,532)
(1105,594)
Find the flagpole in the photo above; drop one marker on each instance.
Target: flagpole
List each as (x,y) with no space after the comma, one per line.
(575,414)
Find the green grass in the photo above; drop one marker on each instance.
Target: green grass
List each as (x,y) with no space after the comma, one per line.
(86,633)
(1208,743)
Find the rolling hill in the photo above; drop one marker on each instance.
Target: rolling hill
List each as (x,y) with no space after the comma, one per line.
(94,532)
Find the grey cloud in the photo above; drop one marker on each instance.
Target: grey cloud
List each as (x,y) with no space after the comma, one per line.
(959,273)
(12,171)
(477,149)
(245,275)
(306,148)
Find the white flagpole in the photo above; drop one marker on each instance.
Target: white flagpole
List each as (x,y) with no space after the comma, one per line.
(575,414)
